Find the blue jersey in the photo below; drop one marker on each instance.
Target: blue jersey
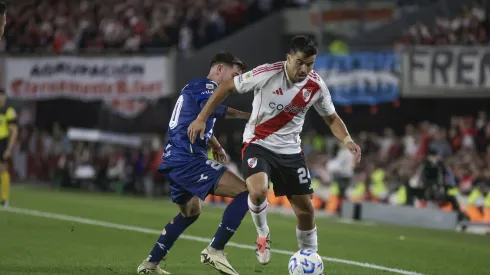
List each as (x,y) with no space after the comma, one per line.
(191,100)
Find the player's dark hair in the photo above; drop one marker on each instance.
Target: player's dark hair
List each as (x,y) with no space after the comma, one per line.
(227,59)
(303,44)
(3,8)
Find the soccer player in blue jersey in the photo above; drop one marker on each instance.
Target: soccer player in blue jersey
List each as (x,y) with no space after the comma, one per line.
(193,176)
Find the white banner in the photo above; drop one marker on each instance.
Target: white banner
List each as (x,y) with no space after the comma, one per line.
(96,135)
(446,71)
(88,78)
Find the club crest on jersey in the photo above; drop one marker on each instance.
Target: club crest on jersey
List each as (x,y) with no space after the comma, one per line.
(252,162)
(306,94)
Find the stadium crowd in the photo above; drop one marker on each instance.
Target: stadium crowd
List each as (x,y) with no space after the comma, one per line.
(386,171)
(470,27)
(69,26)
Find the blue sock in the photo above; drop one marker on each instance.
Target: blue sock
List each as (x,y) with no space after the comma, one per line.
(170,234)
(232,217)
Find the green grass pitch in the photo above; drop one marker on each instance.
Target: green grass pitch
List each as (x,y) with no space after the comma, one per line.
(56,232)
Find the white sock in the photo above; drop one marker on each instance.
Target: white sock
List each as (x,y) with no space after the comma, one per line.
(259,216)
(307,239)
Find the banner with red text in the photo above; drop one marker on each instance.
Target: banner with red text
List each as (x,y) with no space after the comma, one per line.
(88,78)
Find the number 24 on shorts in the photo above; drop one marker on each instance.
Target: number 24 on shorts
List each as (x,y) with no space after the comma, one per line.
(304,175)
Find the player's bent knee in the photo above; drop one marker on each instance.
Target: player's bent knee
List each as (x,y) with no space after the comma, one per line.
(258,195)
(258,187)
(192,208)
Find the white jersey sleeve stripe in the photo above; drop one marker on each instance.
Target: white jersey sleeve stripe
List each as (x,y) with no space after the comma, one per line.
(252,79)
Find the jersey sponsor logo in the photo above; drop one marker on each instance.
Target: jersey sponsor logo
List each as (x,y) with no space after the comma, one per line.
(207,92)
(252,162)
(288,108)
(209,86)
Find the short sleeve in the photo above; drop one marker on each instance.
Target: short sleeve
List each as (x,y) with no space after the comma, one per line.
(324,105)
(203,90)
(250,80)
(11,115)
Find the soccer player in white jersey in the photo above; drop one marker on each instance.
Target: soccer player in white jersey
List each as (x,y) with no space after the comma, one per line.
(284,91)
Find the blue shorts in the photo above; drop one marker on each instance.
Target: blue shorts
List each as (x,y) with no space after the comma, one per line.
(195,177)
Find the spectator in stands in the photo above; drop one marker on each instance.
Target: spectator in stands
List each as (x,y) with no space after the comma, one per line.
(484,138)
(410,141)
(69,26)
(342,168)
(470,27)
(440,144)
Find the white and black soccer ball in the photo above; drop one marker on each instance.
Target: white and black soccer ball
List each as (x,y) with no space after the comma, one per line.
(305,262)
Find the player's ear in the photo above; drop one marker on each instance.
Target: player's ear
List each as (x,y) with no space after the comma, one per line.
(220,68)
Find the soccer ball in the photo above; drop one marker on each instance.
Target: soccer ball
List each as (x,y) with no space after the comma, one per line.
(305,262)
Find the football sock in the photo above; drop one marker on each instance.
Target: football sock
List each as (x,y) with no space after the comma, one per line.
(307,239)
(5,181)
(259,216)
(232,218)
(169,235)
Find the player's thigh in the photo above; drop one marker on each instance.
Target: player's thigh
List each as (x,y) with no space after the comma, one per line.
(230,185)
(304,211)
(256,169)
(191,208)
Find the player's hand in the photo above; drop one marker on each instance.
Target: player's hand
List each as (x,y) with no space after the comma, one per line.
(7,154)
(198,126)
(355,150)
(219,155)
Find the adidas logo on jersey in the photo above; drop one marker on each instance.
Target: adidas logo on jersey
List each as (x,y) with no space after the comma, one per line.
(278,92)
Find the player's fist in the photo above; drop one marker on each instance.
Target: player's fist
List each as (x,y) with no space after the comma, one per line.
(355,150)
(198,126)
(219,155)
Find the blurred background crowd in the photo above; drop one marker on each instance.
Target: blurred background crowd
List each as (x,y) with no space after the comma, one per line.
(392,153)
(60,26)
(471,26)
(389,161)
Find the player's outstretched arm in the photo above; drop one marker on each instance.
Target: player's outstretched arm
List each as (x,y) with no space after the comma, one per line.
(234,113)
(198,126)
(339,130)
